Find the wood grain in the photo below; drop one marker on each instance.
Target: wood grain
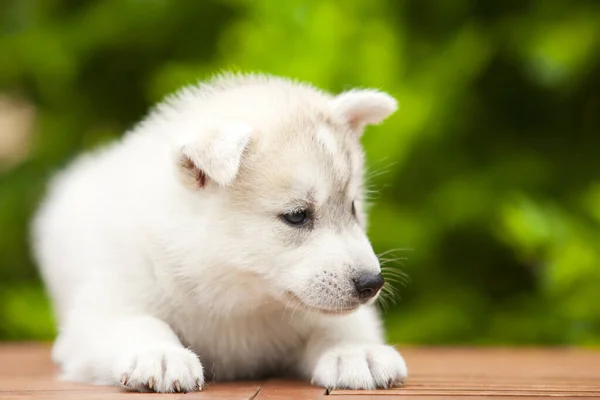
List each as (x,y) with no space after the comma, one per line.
(26,372)
(276,389)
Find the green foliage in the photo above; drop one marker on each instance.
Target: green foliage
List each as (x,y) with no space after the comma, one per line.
(487,176)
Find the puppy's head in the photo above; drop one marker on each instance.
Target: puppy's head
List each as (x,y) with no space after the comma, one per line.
(277,170)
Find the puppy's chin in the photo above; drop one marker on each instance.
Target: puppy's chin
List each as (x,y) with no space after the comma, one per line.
(293,302)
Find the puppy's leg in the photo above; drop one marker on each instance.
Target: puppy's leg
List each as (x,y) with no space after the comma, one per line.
(135,351)
(347,352)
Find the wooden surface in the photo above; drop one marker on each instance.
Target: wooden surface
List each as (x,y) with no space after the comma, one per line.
(26,372)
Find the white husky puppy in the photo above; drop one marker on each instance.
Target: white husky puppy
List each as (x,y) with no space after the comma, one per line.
(222,238)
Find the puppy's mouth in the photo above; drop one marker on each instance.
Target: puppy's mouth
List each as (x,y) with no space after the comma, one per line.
(294,301)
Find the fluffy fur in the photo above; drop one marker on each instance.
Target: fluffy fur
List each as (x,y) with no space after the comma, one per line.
(169,263)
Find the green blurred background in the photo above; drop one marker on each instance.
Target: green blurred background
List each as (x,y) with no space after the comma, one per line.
(488,178)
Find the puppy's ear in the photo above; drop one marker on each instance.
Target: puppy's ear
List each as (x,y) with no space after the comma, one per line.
(216,154)
(362,107)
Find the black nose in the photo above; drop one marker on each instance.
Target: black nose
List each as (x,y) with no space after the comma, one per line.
(368,285)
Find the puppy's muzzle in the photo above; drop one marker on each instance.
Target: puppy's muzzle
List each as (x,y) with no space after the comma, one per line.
(368,285)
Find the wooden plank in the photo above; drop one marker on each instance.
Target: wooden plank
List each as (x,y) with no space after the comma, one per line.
(32,383)
(464,393)
(482,380)
(221,391)
(87,395)
(514,373)
(501,385)
(26,372)
(427,397)
(563,363)
(280,389)
(25,359)
(227,391)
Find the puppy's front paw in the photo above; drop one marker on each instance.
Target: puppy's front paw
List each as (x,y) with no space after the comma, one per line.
(160,369)
(360,367)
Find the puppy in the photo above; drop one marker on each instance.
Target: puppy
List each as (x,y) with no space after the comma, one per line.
(222,238)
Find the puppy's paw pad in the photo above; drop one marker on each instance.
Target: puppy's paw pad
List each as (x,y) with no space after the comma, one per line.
(160,369)
(360,367)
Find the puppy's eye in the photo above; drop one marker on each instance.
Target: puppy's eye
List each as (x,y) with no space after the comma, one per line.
(353,209)
(296,218)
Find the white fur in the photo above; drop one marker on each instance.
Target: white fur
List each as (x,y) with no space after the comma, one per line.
(161,285)
(217,153)
(363,107)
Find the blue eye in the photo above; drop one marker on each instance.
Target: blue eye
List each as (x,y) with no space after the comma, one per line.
(296,218)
